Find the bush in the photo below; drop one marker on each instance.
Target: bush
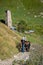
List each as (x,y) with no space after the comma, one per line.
(21,26)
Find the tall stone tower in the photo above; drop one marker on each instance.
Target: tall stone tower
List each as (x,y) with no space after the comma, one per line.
(8,19)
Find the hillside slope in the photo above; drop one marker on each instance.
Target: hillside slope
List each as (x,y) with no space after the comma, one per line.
(22,9)
(34,5)
(27,10)
(8,41)
(30,11)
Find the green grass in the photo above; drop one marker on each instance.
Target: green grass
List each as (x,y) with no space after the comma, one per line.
(32,4)
(19,9)
(34,38)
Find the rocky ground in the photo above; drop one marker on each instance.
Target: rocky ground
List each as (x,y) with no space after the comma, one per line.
(35,55)
(20,56)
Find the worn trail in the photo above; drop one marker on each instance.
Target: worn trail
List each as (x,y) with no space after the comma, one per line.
(20,56)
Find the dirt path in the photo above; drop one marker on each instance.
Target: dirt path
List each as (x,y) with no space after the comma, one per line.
(6,62)
(34,50)
(20,56)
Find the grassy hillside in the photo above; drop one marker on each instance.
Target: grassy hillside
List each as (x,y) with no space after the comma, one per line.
(8,41)
(34,5)
(22,9)
(30,11)
(27,10)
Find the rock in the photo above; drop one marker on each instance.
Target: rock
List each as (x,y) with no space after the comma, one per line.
(8,19)
(22,56)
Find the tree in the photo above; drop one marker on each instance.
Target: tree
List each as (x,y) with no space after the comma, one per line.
(21,27)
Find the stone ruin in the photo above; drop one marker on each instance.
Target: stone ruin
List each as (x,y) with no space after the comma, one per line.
(8,21)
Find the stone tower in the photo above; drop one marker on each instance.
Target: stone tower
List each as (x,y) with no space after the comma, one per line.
(8,19)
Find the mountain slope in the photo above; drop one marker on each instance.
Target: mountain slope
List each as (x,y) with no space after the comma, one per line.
(27,10)
(30,11)
(21,9)
(8,41)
